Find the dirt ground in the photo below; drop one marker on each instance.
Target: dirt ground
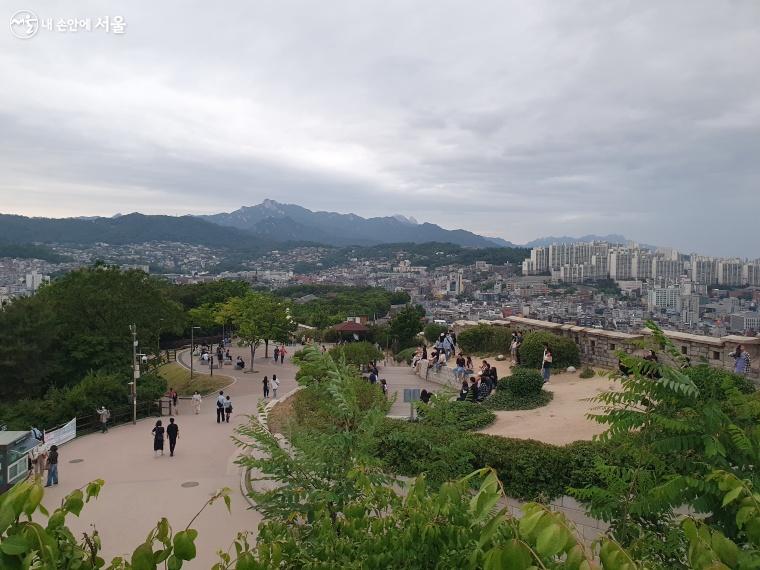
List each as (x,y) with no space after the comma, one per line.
(563,420)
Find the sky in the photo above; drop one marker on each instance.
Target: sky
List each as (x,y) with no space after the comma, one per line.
(515,119)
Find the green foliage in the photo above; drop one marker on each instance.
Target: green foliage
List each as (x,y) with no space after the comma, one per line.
(715,383)
(564,350)
(522,382)
(356,353)
(336,302)
(405,355)
(485,339)
(208,293)
(433,331)
(30,251)
(504,400)
(460,415)
(405,326)
(587,372)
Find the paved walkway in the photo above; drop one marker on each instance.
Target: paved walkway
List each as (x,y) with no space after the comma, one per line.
(141,488)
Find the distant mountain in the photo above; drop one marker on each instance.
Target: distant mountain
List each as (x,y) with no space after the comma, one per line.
(273,220)
(549,240)
(130,228)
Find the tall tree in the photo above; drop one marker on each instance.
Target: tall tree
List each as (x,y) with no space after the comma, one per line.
(405,326)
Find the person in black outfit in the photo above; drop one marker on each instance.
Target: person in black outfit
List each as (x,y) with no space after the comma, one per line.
(425,396)
(158,438)
(172,433)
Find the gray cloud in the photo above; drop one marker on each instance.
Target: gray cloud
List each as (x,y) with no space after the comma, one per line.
(513,119)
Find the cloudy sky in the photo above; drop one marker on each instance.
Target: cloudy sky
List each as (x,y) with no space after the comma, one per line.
(513,119)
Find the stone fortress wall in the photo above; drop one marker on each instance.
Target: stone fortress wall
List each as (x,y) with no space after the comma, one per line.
(597,347)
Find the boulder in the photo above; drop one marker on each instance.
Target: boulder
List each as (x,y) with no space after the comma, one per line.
(571,369)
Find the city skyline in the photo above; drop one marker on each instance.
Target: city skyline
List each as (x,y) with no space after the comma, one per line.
(509,120)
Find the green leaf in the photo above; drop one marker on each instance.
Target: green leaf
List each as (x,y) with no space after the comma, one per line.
(184,547)
(732,495)
(7,516)
(549,542)
(173,563)
(142,557)
(227,502)
(33,499)
(516,555)
(14,545)
(74,502)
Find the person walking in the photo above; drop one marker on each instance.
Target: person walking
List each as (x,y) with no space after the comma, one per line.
(741,360)
(175,399)
(197,402)
(384,387)
(227,408)
(276,353)
(172,433)
(275,385)
(282,354)
(546,363)
(158,438)
(103,416)
(220,407)
(52,466)
(265,384)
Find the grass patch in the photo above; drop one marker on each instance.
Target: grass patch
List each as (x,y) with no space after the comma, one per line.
(178,377)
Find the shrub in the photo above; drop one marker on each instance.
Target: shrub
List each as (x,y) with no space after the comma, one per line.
(712,382)
(587,372)
(405,355)
(485,339)
(357,353)
(433,331)
(461,415)
(522,382)
(564,351)
(504,400)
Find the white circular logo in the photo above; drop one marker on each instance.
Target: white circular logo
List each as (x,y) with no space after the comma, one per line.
(25,24)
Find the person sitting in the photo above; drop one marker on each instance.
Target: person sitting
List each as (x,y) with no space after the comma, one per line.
(240,363)
(425,396)
(472,394)
(484,388)
(463,391)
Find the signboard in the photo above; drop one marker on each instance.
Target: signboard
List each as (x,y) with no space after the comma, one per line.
(61,435)
(411,394)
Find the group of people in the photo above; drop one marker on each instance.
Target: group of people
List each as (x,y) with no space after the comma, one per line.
(206,356)
(44,457)
(279,353)
(373,376)
(274,384)
(171,432)
(480,386)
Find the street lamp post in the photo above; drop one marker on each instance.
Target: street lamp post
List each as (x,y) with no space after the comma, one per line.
(192,348)
(135,372)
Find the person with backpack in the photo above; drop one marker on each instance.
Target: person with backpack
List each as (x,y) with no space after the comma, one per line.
(546,363)
(220,407)
(52,466)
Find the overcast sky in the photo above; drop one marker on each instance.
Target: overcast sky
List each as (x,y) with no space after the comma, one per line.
(512,119)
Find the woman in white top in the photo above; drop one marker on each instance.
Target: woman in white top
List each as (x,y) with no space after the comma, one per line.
(197,402)
(274,384)
(546,364)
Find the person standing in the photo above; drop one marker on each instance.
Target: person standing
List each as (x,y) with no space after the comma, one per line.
(175,400)
(52,465)
(275,385)
(103,416)
(220,407)
(741,360)
(172,433)
(282,354)
(158,438)
(513,348)
(384,387)
(265,383)
(546,363)
(276,353)
(197,402)
(227,408)
(39,457)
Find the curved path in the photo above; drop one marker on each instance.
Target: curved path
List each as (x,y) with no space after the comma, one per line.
(141,488)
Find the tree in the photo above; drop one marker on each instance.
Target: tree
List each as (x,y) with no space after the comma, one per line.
(433,331)
(405,326)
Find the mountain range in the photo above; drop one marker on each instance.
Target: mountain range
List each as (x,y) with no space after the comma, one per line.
(253,228)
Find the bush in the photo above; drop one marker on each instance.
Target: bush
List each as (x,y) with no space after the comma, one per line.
(564,351)
(405,355)
(485,339)
(461,415)
(433,331)
(713,382)
(357,353)
(587,372)
(504,400)
(522,382)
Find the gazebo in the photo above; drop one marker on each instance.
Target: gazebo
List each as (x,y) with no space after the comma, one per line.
(351,328)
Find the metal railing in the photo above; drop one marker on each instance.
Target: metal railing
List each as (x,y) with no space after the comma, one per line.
(119,415)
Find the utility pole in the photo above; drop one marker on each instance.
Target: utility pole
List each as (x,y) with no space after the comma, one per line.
(192,349)
(136,372)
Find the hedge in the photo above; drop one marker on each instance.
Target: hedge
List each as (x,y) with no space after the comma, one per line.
(461,415)
(504,400)
(433,331)
(405,355)
(564,350)
(522,382)
(357,353)
(709,380)
(485,339)
(529,469)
